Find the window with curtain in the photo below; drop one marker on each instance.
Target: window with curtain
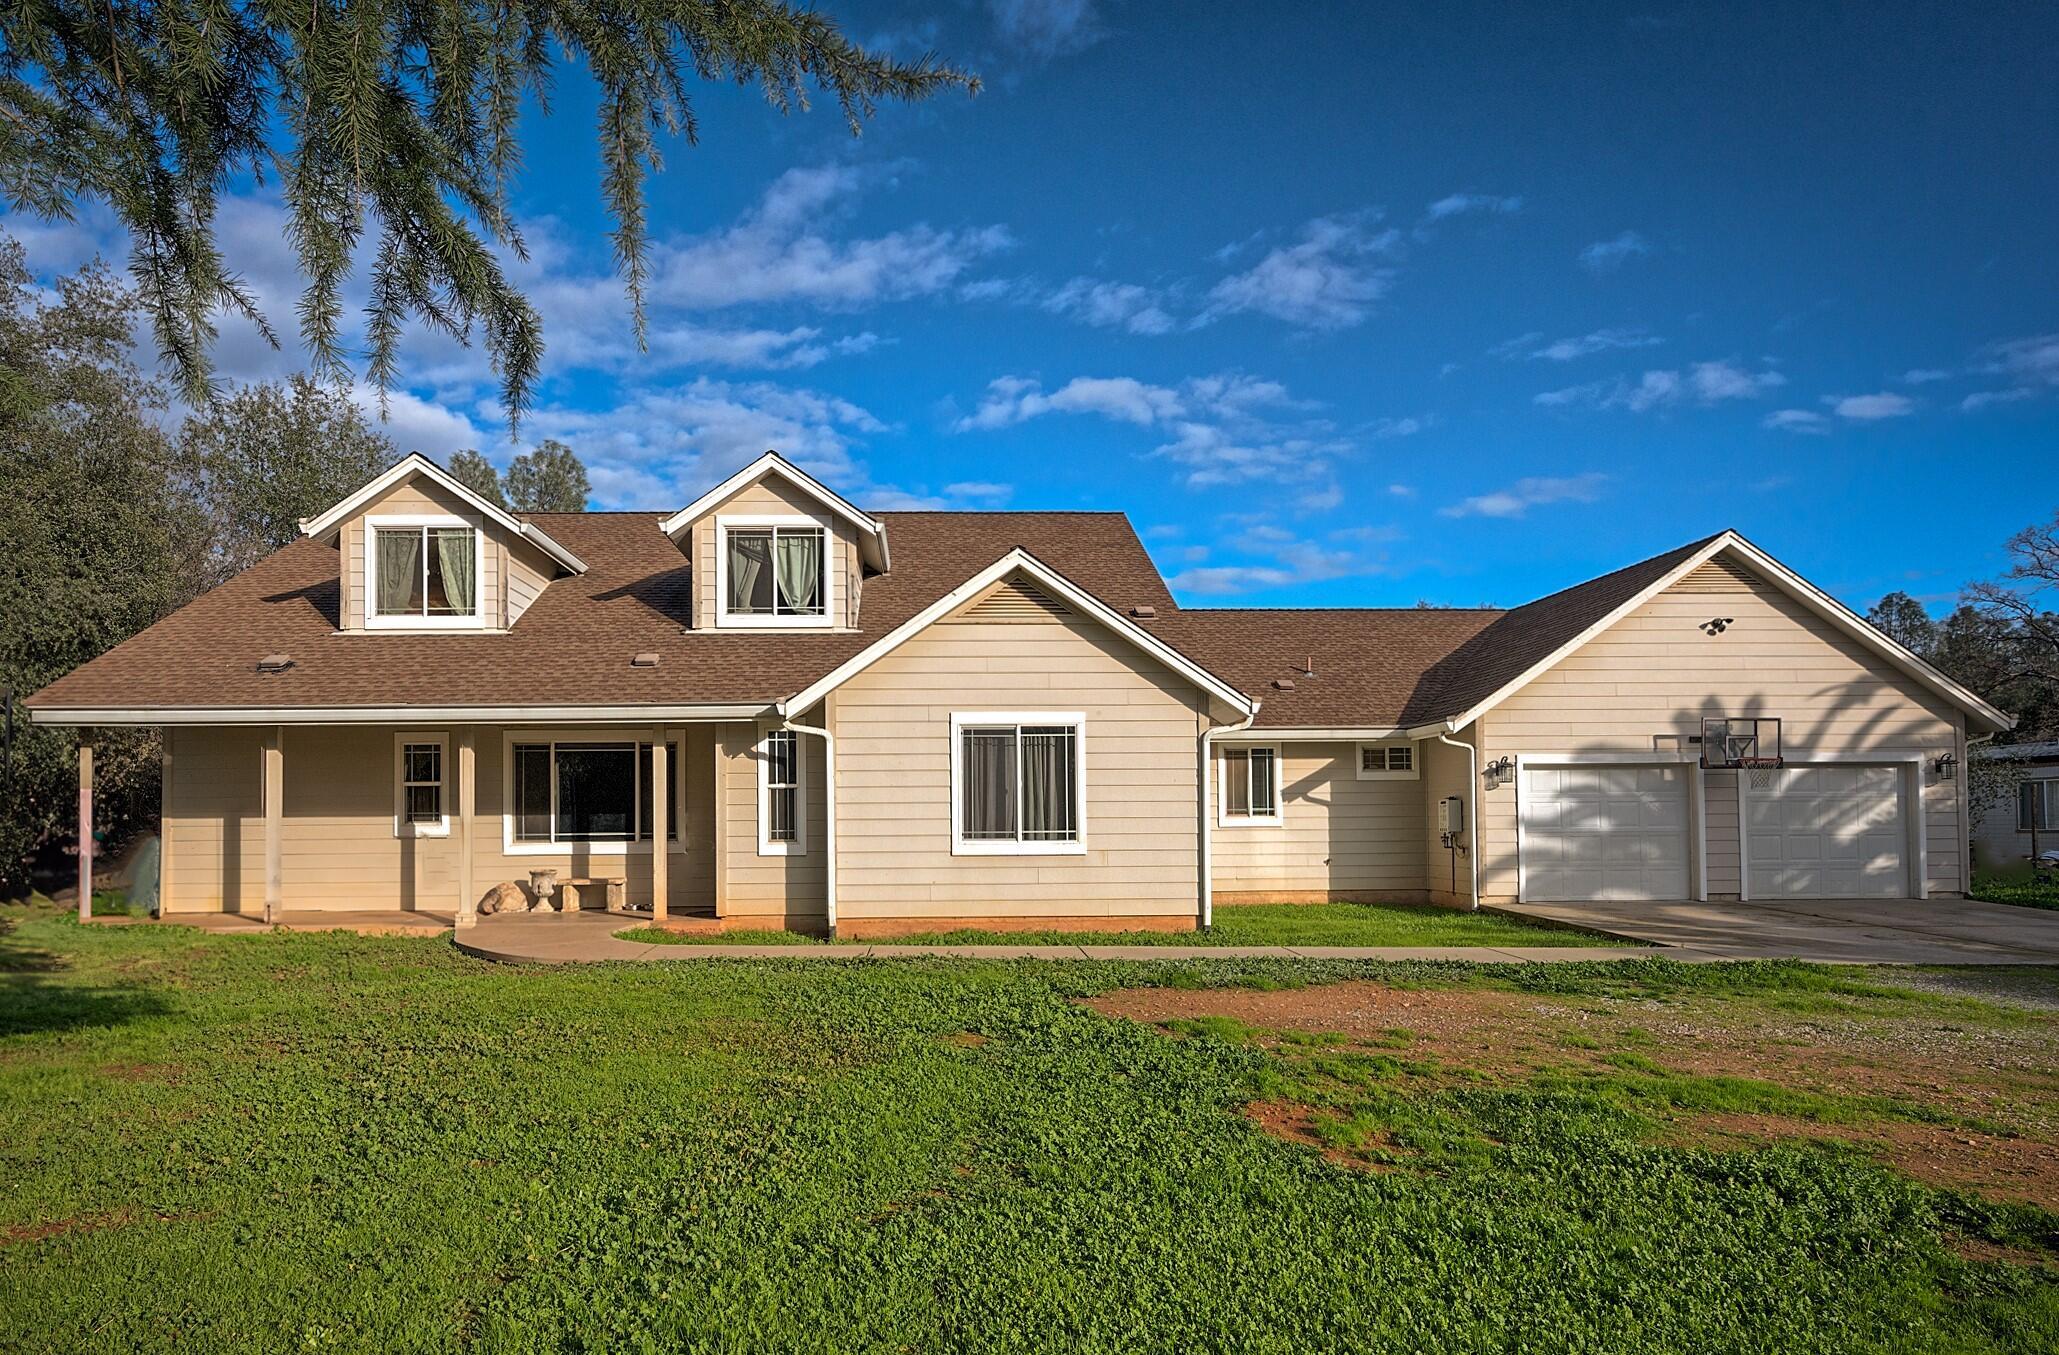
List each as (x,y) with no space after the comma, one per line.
(779,768)
(590,792)
(776,571)
(1018,784)
(1251,783)
(425,571)
(2037,802)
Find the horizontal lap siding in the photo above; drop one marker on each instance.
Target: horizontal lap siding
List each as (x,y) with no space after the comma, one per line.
(772,887)
(893,725)
(1656,673)
(1336,831)
(337,845)
(1724,860)
(1447,771)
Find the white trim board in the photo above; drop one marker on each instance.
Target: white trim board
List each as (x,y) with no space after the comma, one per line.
(126,716)
(1825,606)
(1072,594)
(377,620)
(767,846)
(829,618)
(773,463)
(414,463)
(402,826)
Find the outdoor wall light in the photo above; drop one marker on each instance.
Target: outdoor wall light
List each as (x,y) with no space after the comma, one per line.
(1502,768)
(1944,764)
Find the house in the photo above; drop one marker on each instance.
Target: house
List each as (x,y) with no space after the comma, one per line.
(773,709)
(2020,812)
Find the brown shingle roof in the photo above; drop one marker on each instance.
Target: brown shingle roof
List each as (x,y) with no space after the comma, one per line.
(572,647)
(1370,663)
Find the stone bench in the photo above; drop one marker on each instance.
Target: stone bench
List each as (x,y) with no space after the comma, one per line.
(572,894)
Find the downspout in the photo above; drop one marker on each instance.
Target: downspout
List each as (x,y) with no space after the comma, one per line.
(1208,819)
(1472,807)
(829,812)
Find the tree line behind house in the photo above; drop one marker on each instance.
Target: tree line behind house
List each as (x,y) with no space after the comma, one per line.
(115,511)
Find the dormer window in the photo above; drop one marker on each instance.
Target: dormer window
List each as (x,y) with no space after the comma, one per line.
(422,573)
(773,572)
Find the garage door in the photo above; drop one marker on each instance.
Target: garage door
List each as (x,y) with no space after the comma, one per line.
(1612,832)
(1826,832)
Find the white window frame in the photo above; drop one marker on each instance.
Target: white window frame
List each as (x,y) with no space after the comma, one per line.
(2045,797)
(960,721)
(1415,761)
(375,523)
(675,747)
(1225,818)
(767,844)
(760,522)
(404,827)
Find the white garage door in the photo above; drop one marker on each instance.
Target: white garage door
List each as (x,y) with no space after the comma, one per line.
(1826,833)
(1614,832)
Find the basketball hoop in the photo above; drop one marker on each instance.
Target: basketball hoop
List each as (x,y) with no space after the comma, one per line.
(1742,743)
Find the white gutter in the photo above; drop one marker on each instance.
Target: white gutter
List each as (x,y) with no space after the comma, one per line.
(386,715)
(1208,737)
(1472,808)
(829,812)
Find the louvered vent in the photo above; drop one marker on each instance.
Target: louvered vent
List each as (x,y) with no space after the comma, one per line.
(1016,599)
(1720,575)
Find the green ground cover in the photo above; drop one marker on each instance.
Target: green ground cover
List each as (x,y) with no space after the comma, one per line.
(2022,889)
(1258,924)
(323,1141)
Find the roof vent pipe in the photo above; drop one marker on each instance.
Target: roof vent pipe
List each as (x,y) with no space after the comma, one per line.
(274,663)
(644,660)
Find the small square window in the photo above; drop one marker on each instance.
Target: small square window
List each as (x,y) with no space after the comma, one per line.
(1387,762)
(1250,785)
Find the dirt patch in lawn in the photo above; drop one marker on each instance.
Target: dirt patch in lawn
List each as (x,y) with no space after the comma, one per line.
(2002,1084)
(1996,1166)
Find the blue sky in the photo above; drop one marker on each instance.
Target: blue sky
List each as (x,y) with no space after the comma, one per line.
(1359,304)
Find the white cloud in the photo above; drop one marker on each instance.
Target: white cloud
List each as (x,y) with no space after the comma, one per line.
(1533,346)
(1796,421)
(1012,399)
(2029,365)
(1112,305)
(1606,255)
(1985,399)
(1284,560)
(1213,455)
(1702,383)
(1327,280)
(1402,491)
(780,253)
(1047,27)
(418,425)
(1868,408)
(987,493)
(1531,492)
(1921,376)
(1466,204)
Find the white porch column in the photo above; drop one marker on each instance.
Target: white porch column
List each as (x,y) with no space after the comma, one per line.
(468,782)
(275,808)
(85,830)
(661,818)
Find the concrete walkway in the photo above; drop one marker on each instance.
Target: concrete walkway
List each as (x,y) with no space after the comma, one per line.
(551,938)
(1834,931)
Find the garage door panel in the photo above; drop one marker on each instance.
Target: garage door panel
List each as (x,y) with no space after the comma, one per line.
(1826,832)
(1609,832)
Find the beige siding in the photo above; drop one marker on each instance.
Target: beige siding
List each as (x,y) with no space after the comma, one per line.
(527,571)
(1648,681)
(1336,833)
(772,496)
(893,725)
(418,494)
(777,888)
(1725,862)
(338,848)
(1447,771)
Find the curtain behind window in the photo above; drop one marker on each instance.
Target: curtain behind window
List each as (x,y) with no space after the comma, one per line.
(1047,785)
(400,572)
(457,555)
(987,777)
(750,559)
(799,557)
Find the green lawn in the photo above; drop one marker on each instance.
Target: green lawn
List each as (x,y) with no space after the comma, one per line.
(326,1142)
(2022,889)
(1266,924)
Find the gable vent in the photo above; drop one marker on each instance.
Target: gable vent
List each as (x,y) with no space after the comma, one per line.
(1015,600)
(1720,575)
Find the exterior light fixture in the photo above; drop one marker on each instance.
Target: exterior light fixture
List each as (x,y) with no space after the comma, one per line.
(1944,765)
(1716,625)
